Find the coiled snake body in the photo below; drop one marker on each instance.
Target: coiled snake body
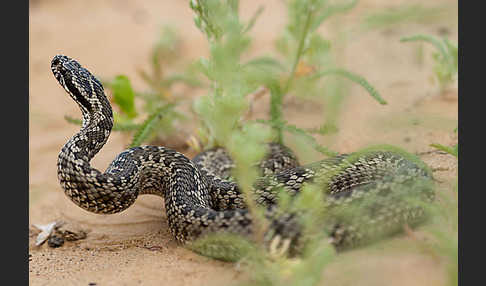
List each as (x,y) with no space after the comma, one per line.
(199,199)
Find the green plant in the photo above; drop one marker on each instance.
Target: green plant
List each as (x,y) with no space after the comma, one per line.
(221,112)
(232,81)
(445,58)
(453,150)
(222,124)
(307,59)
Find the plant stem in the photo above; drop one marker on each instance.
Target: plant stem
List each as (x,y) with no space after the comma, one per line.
(277,94)
(299,49)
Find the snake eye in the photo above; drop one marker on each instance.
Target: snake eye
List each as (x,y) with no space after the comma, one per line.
(55,61)
(57,68)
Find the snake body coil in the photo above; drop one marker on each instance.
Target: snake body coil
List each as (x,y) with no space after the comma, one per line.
(199,199)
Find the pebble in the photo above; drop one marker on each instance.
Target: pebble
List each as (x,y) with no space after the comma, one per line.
(55,241)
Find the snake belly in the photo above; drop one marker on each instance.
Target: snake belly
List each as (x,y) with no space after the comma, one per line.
(199,198)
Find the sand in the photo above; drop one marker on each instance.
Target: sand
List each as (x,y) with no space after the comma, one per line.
(134,247)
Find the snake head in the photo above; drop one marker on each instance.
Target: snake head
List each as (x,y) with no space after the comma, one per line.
(79,83)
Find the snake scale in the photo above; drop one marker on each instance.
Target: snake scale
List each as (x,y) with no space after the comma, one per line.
(200,199)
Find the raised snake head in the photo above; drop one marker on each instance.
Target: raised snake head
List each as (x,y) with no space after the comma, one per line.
(79,83)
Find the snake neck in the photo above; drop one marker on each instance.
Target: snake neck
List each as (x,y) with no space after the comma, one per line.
(85,144)
(75,156)
(140,170)
(80,181)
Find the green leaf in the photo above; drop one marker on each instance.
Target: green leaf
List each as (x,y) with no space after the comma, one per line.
(223,246)
(325,129)
(204,66)
(429,39)
(265,62)
(355,78)
(446,58)
(302,133)
(220,114)
(312,141)
(147,127)
(253,19)
(330,10)
(261,71)
(453,52)
(75,121)
(318,51)
(117,125)
(123,95)
(451,150)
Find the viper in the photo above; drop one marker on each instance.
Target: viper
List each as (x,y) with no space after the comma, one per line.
(201,198)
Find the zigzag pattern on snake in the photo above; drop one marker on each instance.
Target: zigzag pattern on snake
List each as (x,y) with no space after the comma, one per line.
(199,198)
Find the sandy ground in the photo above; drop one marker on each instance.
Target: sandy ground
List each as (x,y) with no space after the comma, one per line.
(134,247)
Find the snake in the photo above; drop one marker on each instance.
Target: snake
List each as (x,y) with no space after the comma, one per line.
(200,196)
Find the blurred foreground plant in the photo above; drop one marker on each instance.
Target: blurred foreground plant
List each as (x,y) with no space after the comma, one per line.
(222,112)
